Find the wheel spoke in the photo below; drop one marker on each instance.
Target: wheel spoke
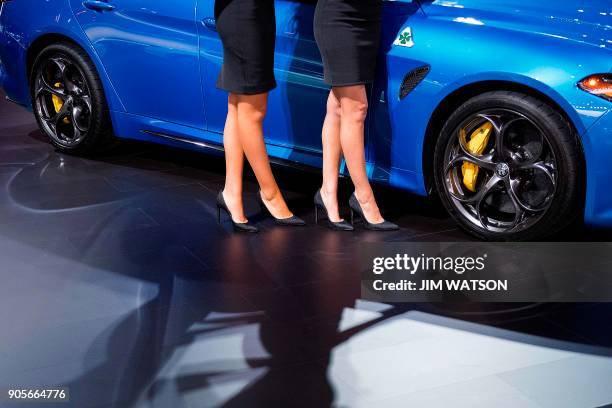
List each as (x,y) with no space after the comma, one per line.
(63,67)
(495,120)
(76,113)
(87,101)
(519,208)
(64,112)
(77,132)
(43,112)
(503,149)
(481,194)
(512,188)
(544,168)
(479,198)
(497,130)
(44,86)
(458,160)
(51,123)
(485,161)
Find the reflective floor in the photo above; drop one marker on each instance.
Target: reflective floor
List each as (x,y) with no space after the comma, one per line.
(117,282)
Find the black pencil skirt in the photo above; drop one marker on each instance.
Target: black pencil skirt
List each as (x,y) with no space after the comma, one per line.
(348,35)
(248,31)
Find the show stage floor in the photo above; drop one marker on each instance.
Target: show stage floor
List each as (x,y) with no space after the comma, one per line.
(117,282)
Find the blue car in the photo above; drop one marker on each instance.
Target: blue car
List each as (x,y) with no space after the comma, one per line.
(499,107)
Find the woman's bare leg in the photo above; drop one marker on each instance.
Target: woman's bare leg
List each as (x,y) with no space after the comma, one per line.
(332,151)
(250,117)
(234,162)
(353,112)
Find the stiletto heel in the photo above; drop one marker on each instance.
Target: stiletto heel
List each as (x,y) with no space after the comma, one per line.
(341,225)
(356,208)
(238,226)
(292,221)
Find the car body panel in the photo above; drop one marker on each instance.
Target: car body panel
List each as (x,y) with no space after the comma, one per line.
(150,51)
(543,48)
(452,50)
(584,21)
(598,209)
(17,34)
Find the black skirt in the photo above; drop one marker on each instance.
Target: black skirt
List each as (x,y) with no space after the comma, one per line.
(348,36)
(248,31)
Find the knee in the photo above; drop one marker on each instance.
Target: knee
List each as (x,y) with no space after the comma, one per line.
(333,108)
(355,110)
(255,112)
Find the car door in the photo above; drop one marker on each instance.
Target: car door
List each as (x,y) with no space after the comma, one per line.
(149,48)
(297,107)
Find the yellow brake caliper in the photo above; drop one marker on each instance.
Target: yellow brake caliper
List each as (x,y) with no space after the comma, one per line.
(58,103)
(476,145)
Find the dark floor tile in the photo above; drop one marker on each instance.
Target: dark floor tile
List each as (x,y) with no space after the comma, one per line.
(592,322)
(306,302)
(545,328)
(63,193)
(77,224)
(143,181)
(108,242)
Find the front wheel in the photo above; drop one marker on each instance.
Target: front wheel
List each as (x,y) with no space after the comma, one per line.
(69,101)
(508,168)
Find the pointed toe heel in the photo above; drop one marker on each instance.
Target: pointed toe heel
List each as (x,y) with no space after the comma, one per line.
(292,221)
(341,225)
(247,227)
(357,210)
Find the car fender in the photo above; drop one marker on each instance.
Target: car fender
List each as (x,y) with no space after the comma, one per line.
(462,56)
(44,19)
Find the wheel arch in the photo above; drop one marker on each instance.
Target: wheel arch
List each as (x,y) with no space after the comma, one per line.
(40,43)
(461,95)
(53,37)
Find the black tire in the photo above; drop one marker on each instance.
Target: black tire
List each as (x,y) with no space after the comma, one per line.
(99,136)
(564,203)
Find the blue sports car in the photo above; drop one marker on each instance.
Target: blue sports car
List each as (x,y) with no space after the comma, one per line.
(500,107)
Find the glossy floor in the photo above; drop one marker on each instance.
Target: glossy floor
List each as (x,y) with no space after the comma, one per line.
(117,282)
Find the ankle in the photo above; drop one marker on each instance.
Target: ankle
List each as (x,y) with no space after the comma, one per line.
(232,193)
(329,191)
(364,196)
(270,195)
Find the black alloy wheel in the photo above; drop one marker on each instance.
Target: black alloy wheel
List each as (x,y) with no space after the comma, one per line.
(523,179)
(69,102)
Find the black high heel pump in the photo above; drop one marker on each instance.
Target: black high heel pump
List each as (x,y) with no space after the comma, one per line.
(292,221)
(238,226)
(341,225)
(356,209)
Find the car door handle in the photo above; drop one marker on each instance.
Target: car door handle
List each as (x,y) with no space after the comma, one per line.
(210,23)
(98,5)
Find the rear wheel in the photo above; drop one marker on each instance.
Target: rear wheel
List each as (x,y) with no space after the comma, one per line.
(508,167)
(69,102)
